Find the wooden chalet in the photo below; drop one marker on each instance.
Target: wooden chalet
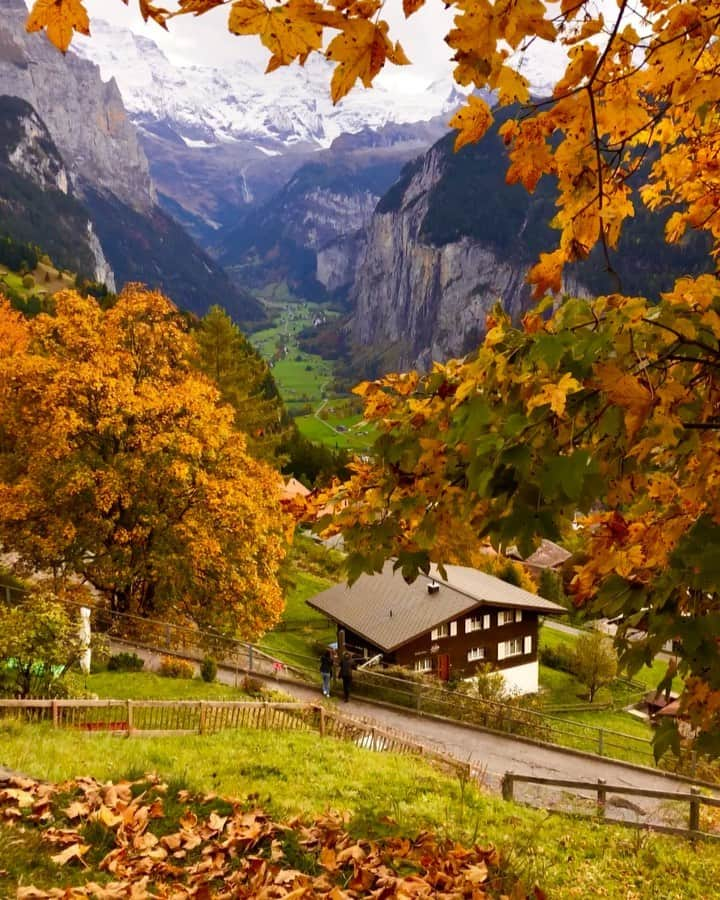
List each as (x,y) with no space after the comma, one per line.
(444,626)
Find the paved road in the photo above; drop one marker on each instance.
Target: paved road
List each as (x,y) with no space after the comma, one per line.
(494,754)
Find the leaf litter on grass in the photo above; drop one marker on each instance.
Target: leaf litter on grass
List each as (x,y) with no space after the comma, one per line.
(227,850)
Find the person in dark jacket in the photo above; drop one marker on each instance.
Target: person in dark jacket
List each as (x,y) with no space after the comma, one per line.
(326,667)
(346,674)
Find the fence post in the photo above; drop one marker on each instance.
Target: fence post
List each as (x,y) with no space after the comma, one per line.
(322,720)
(600,741)
(55,714)
(129,717)
(250,658)
(508,786)
(418,700)
(201,726)
(694,823)
(601,796)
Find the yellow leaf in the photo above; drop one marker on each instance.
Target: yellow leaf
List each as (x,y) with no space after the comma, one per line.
(471,121)
(546,275)
(555,394)
(360,50)
(290,31)
(59,18)
(512,87)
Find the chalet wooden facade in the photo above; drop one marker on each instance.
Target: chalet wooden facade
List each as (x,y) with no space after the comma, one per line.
(444,626)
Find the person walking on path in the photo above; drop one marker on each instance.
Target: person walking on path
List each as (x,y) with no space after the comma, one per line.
(346,674)
(326,667)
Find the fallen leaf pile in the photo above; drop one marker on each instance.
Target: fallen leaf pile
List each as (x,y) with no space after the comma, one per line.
(220,849)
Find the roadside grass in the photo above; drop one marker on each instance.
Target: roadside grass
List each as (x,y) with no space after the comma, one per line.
(149,686)
(302,774)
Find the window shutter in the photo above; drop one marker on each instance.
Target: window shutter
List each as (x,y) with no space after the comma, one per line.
(501,650)
(486,620)
(518,615)
(434,634)
(527,644)
(453,629)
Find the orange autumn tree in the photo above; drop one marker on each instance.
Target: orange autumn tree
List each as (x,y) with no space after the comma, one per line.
(119,464)
(609,406)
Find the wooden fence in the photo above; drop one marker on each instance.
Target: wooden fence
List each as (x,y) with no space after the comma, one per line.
(177,717)
(602,790)
(163,717)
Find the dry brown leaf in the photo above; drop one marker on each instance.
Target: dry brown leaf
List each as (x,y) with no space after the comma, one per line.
(73,852)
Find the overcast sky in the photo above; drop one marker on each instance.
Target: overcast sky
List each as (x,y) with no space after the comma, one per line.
(206,41)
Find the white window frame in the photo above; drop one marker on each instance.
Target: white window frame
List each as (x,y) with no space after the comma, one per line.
(453,629)
(512,647)
(477,623)
(442,631)
(527,643)
(423,664)
(507,617)
(475,654)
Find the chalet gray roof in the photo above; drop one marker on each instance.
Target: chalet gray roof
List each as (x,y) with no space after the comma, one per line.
(548,555)
(389,613)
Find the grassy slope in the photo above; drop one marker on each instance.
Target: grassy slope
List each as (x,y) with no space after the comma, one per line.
(563,688)
(149,686)
(302,629)
(301,773)
(302,377)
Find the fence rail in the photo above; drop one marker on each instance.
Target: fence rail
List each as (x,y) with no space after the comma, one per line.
(601,789)
(140,718)
(514,719)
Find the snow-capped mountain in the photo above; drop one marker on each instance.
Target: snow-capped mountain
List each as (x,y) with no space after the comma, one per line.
(205,106)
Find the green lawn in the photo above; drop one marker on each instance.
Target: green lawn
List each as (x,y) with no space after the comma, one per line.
(325,432)
(563,689)
(302,774)
(303,378)
(149,686)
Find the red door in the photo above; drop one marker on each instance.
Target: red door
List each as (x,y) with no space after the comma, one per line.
(443,667)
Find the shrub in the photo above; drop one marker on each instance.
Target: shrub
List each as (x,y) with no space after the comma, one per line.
(28,282)
(125,662)
(252,686)
(172,667)
(560,658)
(208,669)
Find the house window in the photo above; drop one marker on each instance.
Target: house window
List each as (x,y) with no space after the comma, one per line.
(513,647)
(507,616)
(477,623)
(423,664)
(476,653)
(440,632)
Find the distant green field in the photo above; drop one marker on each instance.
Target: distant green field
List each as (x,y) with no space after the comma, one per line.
(303,379)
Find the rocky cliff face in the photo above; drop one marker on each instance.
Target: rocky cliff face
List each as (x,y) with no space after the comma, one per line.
(85,116)
(451,238)
(37,202)
(420,300)
(327,200)
(108,171)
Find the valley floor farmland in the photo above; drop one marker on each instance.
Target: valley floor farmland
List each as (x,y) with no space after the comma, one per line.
(304,379)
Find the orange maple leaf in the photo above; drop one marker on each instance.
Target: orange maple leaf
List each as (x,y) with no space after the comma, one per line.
(59,18)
